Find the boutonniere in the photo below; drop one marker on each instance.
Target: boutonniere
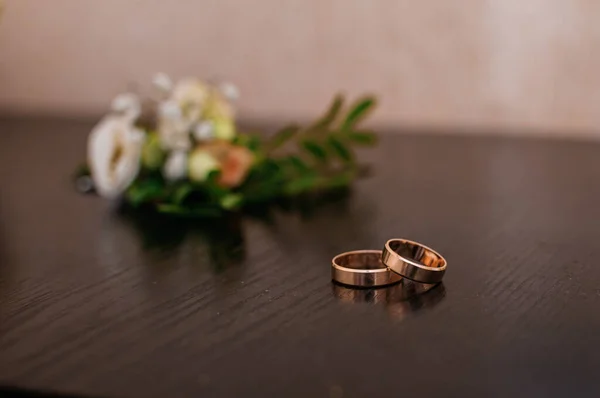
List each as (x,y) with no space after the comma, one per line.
(185,155)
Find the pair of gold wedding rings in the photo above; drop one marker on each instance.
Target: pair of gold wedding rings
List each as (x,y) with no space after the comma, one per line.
(400,258)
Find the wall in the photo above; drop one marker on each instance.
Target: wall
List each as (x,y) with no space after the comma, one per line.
(518,65)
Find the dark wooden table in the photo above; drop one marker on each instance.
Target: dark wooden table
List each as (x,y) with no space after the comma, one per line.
(97,302)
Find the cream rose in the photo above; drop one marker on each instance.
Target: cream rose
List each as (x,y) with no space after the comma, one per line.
(190,95)
(201,164)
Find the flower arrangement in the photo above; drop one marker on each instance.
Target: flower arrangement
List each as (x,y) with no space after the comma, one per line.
(184,154)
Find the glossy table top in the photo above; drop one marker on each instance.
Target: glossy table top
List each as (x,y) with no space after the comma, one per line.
(97,302)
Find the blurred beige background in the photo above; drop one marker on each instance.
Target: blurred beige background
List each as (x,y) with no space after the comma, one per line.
(506,65)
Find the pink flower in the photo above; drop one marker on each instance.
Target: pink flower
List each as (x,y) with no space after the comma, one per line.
(235,166)
(234,161)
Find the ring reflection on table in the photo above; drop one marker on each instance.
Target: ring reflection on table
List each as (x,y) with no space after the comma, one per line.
(352,295)
(407,299)
(399,300)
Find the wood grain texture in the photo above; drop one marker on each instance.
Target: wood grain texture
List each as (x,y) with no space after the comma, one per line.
(95,302)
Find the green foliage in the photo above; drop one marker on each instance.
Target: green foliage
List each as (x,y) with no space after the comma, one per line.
(231,201)
(182,192)
(250,141)
(362,137)
(298,164)
(357,113)
(340,148)
(283,136)
(189,211)
(144,190)
(301,184)
(325,157)
(315,149)
(331,114)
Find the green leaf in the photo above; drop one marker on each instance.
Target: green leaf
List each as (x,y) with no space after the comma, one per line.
(358,112)
(340,180)
(362,137)
(144,191)
(282,136)
(251,141)
(231,201)
(254,143)
(182,192)
(196,211)
(213,188)
(316,150)
(298,164)
(340,149)
(302,184)
(331,114)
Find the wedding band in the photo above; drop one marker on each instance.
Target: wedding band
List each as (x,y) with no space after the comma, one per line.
(414,261)
(362,268)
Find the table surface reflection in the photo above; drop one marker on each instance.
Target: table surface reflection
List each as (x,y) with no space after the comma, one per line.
(102,302)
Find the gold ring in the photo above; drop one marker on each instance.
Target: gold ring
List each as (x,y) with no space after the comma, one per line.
(362,268)
(414,261)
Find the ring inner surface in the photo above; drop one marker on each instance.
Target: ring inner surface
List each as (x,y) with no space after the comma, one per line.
(368,260)
(417,253)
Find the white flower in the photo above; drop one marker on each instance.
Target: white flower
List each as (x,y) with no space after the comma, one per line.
(128,105)
(173,128)
(190,94)
(170,109)
(114,151)
(230,91)
(163,82)
(201,164)
(204,131)
(175,167)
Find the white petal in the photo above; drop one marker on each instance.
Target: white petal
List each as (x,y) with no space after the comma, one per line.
(230,91)
(163,82)
(136,136)
(113,134)
(204,131)
(169,109)
(190,92)
(127,104)
(173,128)
(173,134)
(175,167)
